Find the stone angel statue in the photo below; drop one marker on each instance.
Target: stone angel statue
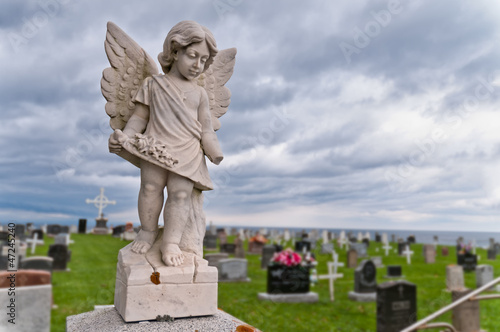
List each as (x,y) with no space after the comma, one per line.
(165,124)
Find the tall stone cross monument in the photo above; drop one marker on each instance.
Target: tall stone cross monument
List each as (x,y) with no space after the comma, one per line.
(100,203)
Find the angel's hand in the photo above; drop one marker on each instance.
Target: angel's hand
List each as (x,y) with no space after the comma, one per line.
(116,140)
(211,147)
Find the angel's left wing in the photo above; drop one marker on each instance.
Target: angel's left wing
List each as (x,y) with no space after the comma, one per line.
(130,65)
(213,81)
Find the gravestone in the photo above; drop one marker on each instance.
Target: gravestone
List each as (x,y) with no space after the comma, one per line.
(377,260)
(221,236)
(393,238)
(352,259)
(39,233)
(25,278)
(54,230)
(239,251)
(394,271)
(429,253)
(229,248)
(82,226)
(33,303)
(61,256)
(267,254)
(20,232)
(484,274)
(37,263)
(492,254)
(454,277)
(445,251)
(396,305)
(73,229)
(465,317)
(65,229)
(210,242)
(118,230)
(411,239)
(300,245)
(365,282)
(360,249)
(62,238)
(378,237)
(233,269)
(366,242)
(213,259)
(402,247)
(4,236)
(327,248)
(468,261)
(255,247)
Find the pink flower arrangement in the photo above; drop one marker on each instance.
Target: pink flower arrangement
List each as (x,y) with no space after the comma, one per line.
(287,257)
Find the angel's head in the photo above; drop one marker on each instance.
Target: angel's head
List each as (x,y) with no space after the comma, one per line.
(180,37)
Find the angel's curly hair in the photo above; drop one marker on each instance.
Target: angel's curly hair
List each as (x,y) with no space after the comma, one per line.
(182,35)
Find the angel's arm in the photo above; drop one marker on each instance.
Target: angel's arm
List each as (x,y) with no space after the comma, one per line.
(138,121)
(209,140)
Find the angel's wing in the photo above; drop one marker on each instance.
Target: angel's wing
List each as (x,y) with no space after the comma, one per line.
(130,65)
(213,81)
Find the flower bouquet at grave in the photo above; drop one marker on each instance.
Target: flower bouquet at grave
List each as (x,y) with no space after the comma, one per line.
(465,249)
(288,273)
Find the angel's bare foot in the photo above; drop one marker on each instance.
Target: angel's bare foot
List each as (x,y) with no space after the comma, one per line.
(171,254)
(143,241)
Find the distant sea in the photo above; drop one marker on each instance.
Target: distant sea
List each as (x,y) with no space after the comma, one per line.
(424,237)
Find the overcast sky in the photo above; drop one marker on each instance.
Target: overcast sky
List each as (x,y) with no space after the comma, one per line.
(344,114)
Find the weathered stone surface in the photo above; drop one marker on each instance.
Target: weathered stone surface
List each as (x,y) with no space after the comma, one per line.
(310,297)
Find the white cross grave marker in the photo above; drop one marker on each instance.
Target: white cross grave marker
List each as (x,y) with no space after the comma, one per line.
(332,274)
(34,241)
(100,202)
(407,252)
(387,247)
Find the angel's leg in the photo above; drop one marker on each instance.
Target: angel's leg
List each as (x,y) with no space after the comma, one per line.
(176,215)
(153,181)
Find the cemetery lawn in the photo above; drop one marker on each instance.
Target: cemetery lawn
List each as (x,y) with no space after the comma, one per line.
(91,281)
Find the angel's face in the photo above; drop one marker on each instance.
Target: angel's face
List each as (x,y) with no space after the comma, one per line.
(190,60)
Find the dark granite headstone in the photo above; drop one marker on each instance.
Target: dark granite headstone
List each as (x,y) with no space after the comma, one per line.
(37,263)
(396,305)
(492,254)
(4,236)
(468,261)
(394,271)
(54,229)
(65,229)
(267,254)
(39,233)
(402,247)
(118,230)
(365,277)
(60,254)
(229,248)
(411,239)
(378,237)
(20,232)
(366,242)
(300,245)
(82,226)
(210,242)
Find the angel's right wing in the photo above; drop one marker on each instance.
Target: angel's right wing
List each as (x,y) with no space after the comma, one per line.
(130,65)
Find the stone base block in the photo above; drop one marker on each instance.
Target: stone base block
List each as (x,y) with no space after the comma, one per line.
(362,297)
(310,297)
(107,319)
(187,290)
(100,231)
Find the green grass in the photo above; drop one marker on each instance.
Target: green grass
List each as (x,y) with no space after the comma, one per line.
(91,282)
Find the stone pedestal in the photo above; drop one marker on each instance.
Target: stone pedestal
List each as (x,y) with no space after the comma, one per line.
(107,319)
(101,227)
(465,317)
(184,291)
